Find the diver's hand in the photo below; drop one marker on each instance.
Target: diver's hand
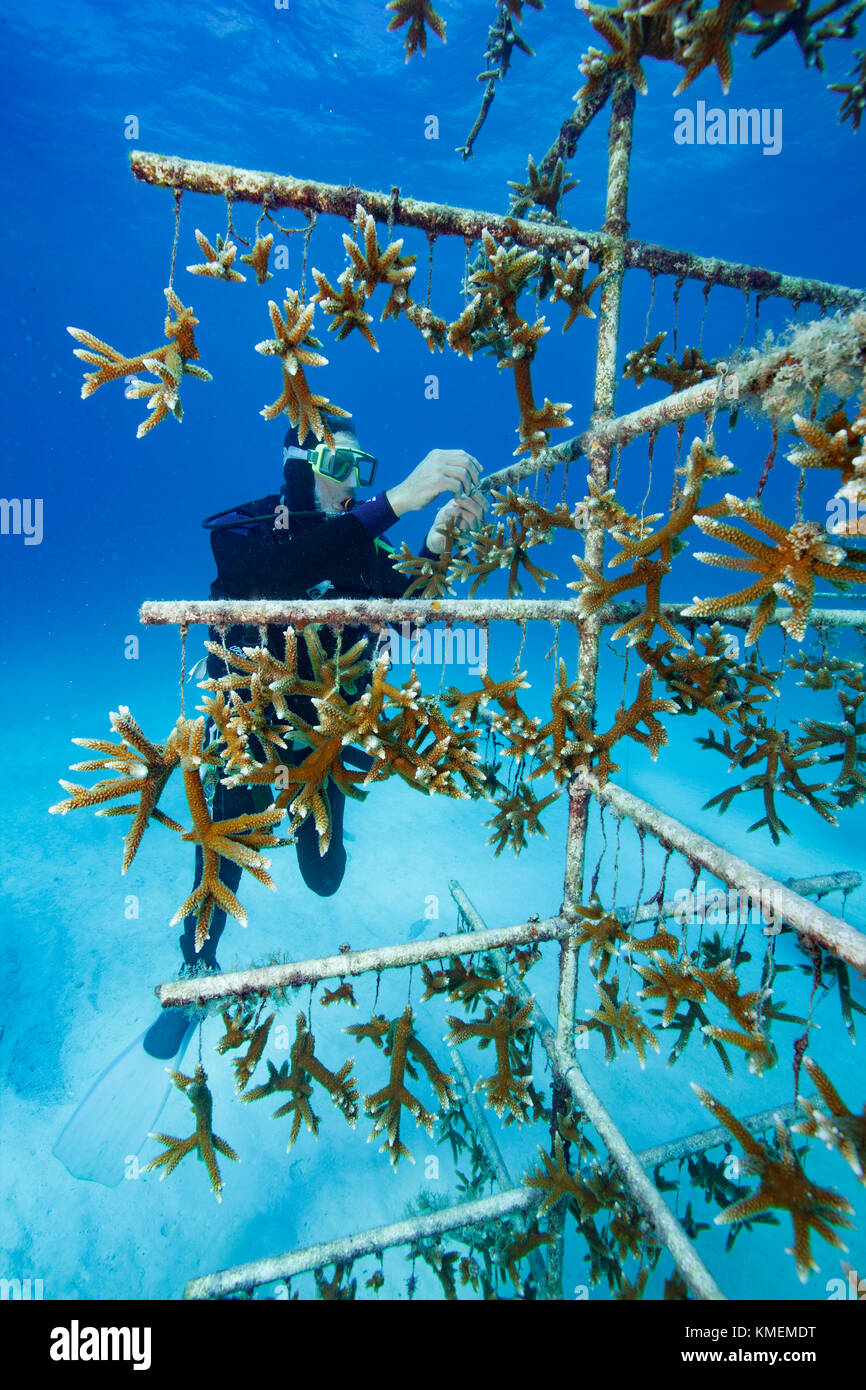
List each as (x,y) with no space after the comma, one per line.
(461,514)
(443,470)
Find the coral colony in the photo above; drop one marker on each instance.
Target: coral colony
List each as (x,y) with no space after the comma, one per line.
(652,986)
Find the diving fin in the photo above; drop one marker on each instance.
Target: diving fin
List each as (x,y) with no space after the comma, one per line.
(115,1118)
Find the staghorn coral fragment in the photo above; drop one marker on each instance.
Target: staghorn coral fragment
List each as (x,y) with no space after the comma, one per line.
(672,981)
(343,992)
(787,567)
(259,256)
(834,444)
(518,817)
(218,261)
(711,681)
(371,266)
(169,363)
(542,190)
(504,271)
(246,1065)
(853,92)
(386,1106)
(239,839)
(642,364)
(296,347)
(238,1022)
(418,14)
(554,743)
(295,1077)
(826,673)
(707,39)
(837,1126)
(849,785)
(619,1023)
(722,983)
(459,981)
(601,931)
(433,329)
(623,32)
(203,1141)
(536,422)
(474,327)
(784,764)
(506,1089)
(467,703)
(345,306)
(496,546)
(523,1245)
(144,769)
(635,538)
(568,286)
(558,1184)
(757,1045)
(429,578)
(238,720)
(783,1187)
(592,751)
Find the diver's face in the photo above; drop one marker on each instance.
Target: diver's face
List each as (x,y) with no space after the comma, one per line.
(330,494)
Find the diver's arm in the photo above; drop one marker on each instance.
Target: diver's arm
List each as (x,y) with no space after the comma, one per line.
(442,470)
(460,514)
(376,515)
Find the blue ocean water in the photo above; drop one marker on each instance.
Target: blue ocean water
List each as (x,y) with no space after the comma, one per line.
(322,91)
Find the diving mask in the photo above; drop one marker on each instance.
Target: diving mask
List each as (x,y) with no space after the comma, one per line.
(339,464)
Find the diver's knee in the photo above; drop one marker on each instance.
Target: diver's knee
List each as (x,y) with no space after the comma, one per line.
(323,875)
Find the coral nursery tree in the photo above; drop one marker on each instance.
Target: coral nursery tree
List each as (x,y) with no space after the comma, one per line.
(288,681)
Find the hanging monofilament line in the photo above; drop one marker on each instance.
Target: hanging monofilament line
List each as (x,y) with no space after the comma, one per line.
(431,246)
(178,195)
(676,486)
(746,321)
(602,852)
(759,299)
(183,633)
(641,834)
(706,291)
(517,660)
(615,887)
(312,219)
(659,895)
(768,461)
(652,300)
(678,285)
(651,445)
(263,214)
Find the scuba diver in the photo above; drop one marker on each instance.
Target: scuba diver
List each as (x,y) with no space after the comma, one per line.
(312,539)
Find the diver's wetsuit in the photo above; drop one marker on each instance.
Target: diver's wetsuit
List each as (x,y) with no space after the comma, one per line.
(311,555)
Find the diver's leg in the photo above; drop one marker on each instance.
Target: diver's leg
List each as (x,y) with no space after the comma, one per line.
(163,1038)
(357,757)
(323,873)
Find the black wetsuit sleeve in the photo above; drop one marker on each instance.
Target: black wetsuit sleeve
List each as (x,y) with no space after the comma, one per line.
(264,561)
